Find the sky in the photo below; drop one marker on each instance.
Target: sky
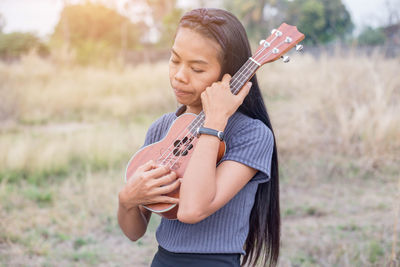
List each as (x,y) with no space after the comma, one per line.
(40,16)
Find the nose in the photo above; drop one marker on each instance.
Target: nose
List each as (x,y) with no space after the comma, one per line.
(181,75)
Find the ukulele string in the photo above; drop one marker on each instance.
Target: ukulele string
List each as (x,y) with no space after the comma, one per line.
(264,47)
(258,53)
(275,47)
(173,146)
(196,123)
(248,67)
(170,149)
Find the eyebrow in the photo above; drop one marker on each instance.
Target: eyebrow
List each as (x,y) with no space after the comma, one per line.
(198,61)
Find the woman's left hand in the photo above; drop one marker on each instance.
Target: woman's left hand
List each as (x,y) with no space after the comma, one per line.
(219,103)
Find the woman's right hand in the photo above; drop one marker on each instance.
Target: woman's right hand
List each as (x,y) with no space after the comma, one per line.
(147,185)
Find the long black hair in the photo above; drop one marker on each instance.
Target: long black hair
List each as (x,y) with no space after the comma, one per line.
(263,240)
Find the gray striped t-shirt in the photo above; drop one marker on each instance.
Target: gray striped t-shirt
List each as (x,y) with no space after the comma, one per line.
(249,142)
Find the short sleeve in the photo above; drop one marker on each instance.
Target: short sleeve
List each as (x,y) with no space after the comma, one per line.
(251,144)
(158,129)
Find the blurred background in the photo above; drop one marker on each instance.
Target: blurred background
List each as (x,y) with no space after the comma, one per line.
(81,81)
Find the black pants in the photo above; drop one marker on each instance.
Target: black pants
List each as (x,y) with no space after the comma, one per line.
(165,258)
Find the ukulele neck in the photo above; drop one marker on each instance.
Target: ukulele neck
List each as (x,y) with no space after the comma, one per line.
(237,82)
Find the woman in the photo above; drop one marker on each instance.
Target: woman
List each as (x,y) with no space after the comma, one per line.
(227,210)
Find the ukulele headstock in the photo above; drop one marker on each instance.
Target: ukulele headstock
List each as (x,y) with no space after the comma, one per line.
(278,43)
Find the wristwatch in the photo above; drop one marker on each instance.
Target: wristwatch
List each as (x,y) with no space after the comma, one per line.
(209,131)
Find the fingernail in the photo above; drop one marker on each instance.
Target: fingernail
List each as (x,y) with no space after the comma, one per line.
(180,180)
(250,84)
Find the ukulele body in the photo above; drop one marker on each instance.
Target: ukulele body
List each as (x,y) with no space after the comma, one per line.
(174,151)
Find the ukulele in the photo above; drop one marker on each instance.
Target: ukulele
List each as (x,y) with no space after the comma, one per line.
(175,149)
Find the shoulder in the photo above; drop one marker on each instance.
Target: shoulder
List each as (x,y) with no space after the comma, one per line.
(250,142)
(241,125)
(163,121)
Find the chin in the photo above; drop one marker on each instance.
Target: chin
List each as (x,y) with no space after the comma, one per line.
(184,99)
(180,102)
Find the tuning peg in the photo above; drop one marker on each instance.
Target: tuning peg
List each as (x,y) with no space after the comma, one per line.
(299,47)
(288,40)
(285,59)
(265,43)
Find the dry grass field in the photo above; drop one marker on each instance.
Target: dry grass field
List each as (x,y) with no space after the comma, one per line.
(66,133)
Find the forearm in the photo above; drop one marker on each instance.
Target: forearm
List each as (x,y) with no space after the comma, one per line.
(132,222)
(198,194)
(199,187)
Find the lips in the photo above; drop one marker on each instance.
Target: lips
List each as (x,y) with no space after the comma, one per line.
(180,92)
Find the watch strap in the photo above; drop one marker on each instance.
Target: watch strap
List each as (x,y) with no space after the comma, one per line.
(209,131)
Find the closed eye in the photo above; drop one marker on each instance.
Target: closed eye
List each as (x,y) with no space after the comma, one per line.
(197,70)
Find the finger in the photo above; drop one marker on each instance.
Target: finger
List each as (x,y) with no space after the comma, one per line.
(168,188)
(204,100)
(157,172)
(203,95)
(166,179)
(166,199)
(147,166)
(142,168)
(226,78)
(245,91)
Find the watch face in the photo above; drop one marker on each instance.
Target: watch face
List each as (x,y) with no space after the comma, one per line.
(220,135)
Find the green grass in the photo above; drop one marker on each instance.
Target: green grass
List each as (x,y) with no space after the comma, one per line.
(88,257)
(39,195)
(81,242)
(375,251)
(75,164)
(73,129)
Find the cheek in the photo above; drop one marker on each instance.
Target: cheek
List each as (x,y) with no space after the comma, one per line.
(207,80)
(210,79)
(200,85)
(171,69)
(172,73)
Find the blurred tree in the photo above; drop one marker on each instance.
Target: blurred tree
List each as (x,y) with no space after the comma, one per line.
(165,16)
(95,32)
(372,36)
(169,24)
(13,45)
(320,20)
(258,16)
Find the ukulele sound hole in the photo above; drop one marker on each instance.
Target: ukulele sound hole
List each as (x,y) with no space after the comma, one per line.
(176,152)
(177,143)
(186,142)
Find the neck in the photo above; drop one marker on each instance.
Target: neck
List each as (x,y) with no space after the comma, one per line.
(194,110)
